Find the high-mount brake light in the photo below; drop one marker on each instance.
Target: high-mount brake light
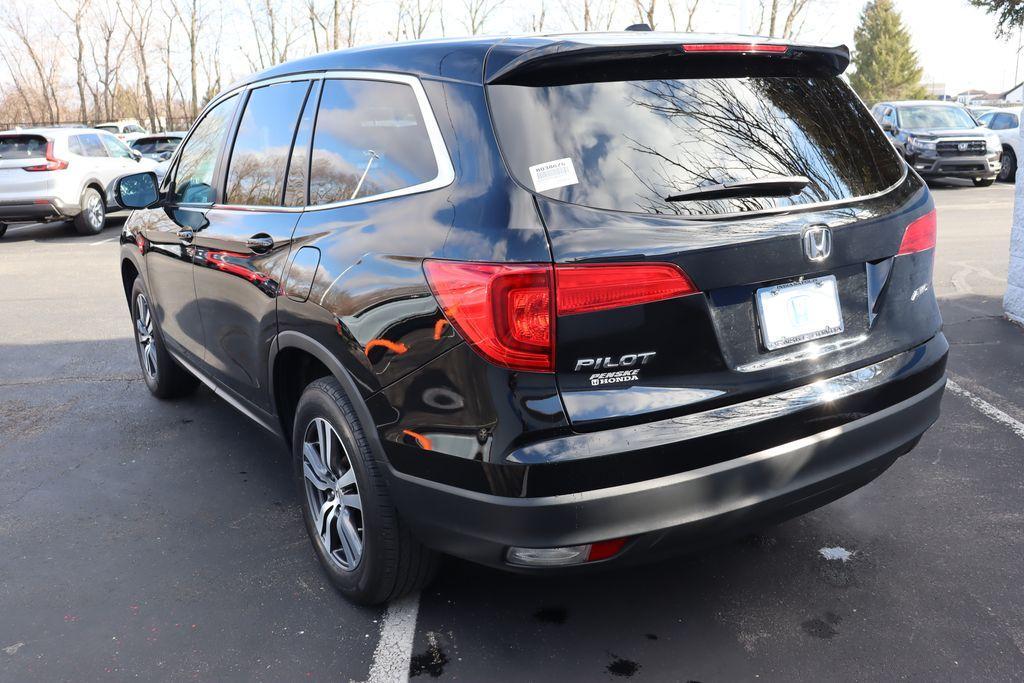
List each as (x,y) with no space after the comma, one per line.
(920,235)
(52,163)
(736,47)
(506,312)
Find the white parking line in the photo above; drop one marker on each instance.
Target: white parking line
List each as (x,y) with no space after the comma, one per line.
(99,242)
(987,409)
(394,650)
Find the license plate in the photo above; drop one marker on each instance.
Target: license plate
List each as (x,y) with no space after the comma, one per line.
(796,312)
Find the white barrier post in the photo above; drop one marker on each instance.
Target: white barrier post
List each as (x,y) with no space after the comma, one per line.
(1013,302)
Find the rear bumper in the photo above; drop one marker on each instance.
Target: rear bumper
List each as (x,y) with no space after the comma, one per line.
(957,167)
(673,513)
(33,212)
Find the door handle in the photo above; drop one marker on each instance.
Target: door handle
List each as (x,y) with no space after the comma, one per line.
(186,235)
(260,244)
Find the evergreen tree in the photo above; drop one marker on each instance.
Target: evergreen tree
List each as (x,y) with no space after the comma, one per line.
(887,67)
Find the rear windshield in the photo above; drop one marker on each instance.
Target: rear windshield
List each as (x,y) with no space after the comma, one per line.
(629,145)
(156,145)
(22,146)
(931,116)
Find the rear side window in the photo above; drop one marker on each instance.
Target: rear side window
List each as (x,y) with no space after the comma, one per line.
(259,160)
(22,146)
(369,139)
(630,145)
(193,180)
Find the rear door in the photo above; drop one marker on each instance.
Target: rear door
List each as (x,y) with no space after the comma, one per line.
(17,153)
(625,172)
(241,253)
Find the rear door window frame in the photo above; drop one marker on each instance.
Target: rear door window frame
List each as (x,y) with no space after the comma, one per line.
(445,169)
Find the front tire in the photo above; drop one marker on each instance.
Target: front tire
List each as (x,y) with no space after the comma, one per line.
(983,182)
(367,552)
(93,216)
(1008,173)
(164,377)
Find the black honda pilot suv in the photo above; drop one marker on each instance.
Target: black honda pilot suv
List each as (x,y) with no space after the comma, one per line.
(545,302)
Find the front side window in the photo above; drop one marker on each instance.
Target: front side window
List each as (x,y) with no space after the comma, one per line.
(193,181)
(115,147)
(369,139)
(936,116)
(656,146)
(259,160)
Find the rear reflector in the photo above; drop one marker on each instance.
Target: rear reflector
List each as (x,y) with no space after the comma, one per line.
(565,555)
(585,289)
(920,235)
(735,47)
(52,163)
(506,312)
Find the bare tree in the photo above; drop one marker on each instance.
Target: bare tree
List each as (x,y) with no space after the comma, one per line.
(589,15)
(779,18)
(44,63)
(645,11)
(535,23)
(417,15)
(690,12)
(138,16)
(77,18)
(274,32)
(478,12)
(191,16)
(107,51)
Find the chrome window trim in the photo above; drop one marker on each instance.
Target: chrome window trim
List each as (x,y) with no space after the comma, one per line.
(445,169)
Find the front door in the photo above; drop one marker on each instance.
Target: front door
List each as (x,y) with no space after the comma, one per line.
(241,254)
(169,231)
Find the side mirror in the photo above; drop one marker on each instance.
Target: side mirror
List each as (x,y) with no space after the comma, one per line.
(888,127)
(136,154)
(137,191)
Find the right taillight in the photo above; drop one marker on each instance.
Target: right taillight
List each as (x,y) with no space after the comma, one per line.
(52,163)
(919,235)
(506,312)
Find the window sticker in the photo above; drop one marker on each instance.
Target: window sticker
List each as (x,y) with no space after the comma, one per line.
(552,174)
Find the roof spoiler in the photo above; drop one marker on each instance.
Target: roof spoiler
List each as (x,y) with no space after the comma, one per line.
(617,55)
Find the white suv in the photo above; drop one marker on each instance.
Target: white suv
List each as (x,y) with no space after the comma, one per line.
(1006,124)
(61,174)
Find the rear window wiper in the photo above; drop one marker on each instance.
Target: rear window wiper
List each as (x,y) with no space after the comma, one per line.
(771,186)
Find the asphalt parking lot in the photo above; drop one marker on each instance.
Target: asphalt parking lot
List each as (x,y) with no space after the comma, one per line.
(143,539)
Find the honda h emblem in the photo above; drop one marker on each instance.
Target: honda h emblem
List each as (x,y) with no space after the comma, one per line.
(962,146)
(817,243)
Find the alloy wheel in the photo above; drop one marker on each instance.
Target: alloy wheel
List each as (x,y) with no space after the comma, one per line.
(332,494)
(144,333)
(94,210)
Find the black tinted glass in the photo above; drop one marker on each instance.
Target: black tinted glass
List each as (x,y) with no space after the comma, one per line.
(193,181)
(298,167)
(22,146)
(629,145)
(370,139)
(259,159)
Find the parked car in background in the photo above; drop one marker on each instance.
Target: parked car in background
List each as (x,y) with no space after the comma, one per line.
(547,302)
(61,174)
(939,139)
(123,130)
(1006,124)
(158,146)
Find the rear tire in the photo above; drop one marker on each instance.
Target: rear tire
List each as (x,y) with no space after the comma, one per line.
(93,216)
(983,182)
(368,553)
(164,377)
(1008,173)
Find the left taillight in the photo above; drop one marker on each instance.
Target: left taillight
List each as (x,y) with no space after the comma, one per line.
(52,162)
(507,311)
(919,235)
